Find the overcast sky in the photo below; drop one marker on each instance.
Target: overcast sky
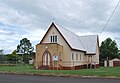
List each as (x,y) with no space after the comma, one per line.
(31,18)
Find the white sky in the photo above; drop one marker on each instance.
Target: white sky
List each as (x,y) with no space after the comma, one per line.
(31,18)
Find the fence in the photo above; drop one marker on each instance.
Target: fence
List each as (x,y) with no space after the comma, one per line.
(3,63)
(7,62)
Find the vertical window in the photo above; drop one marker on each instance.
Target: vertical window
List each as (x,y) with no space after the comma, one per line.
(80,56)
(76,56)
(51,38)
(84,57)
(72,56)
(55,38)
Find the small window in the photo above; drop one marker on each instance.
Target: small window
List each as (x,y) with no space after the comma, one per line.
(51,38)
(80,57)
(72,56)
(55,38)
(76,56)
(83,57)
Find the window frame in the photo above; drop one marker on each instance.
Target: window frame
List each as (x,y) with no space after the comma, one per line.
(72,56)
(53,38)
(76,56)
(80,57)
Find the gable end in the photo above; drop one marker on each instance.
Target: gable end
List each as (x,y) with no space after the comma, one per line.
(61,35)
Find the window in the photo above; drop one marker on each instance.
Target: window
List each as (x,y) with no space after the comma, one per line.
(72,56)
(80,57)
(76,56)
(53,39)
(84,57)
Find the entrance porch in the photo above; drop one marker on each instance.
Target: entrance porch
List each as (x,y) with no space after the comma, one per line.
(48,55)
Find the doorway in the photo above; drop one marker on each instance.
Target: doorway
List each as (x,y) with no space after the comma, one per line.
(46,59)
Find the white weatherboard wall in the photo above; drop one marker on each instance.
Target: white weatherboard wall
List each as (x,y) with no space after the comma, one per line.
(80,61)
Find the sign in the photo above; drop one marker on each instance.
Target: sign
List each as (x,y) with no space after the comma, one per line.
(55,58)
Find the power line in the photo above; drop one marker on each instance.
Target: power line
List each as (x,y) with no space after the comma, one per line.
(110,17)
(106,22)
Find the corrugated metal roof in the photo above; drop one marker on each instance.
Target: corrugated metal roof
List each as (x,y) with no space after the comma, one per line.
(85,43)
(89,42)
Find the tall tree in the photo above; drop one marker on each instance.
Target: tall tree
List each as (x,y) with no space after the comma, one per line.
(25,46)
(108,49)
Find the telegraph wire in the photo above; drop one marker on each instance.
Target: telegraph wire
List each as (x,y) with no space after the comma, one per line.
(110,17)
(106,22)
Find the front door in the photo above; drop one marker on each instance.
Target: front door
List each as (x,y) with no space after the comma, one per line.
(46,59)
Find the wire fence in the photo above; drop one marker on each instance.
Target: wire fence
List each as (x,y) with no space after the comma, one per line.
(7,63)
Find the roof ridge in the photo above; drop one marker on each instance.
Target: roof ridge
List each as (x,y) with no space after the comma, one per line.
(90,44)
(66,29)
(85,42)
(72,32)
(76,42)
(77,36)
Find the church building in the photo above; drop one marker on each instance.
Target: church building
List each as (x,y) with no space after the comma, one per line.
(61,49)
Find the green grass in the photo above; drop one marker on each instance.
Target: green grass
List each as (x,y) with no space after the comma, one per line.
(102,71)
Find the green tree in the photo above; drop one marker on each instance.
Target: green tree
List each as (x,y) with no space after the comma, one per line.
(108,49)
(25,49)
(13,57)
(1,55)
(25,46)
(1,51)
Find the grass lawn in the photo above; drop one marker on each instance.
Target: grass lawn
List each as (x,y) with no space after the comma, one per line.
(102,71)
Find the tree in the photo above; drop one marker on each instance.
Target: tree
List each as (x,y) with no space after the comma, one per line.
(25,46)
(108,50)
(1,55)
(1,52)
(13,57)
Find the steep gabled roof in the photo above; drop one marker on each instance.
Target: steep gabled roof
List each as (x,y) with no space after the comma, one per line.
(90,43)
(82,43)
(71,38)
